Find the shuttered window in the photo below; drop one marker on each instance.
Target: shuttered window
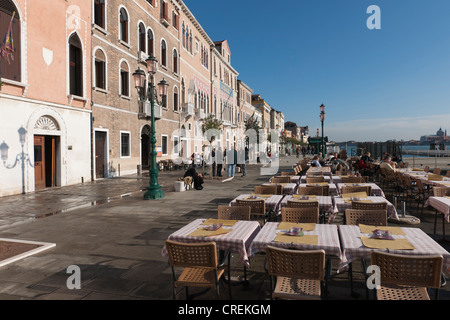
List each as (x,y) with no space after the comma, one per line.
(75,66)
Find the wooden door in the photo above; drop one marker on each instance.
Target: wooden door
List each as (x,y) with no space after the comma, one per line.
(100,141)
(39,162)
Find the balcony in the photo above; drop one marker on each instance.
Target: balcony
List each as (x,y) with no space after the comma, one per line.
(164,20)
(187,110)
(200,113)
(145,110)
(142,57)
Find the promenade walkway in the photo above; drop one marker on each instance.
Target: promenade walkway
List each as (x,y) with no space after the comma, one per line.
(115,237)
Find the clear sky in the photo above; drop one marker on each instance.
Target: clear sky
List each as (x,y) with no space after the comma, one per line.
(391,83)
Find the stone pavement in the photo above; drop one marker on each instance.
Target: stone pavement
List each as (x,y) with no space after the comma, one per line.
(115,237)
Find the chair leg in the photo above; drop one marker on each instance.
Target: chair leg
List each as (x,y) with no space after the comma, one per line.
(435,220)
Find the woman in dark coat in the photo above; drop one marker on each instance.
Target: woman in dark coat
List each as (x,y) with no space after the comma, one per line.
(196,177)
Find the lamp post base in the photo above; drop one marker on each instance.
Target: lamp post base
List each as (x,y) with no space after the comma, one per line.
(153,193)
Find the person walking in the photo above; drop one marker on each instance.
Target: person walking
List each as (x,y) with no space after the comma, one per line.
(219,160)
(231,161)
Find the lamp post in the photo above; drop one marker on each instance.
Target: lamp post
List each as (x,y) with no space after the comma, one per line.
(149,93)
(21,157)
(322,119)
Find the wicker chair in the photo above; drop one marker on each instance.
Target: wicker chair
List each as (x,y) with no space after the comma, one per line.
(201,268)
(405,277)
(325,189)
(300,214)
(440,192)
(286,179)
(302,204)
(299,274)
(317,191)
(359,205)
(315,179)
(287,173)
(437,171)
(233,212)
(448,174)
(352,189)
(274,189)
(422,195)
(426,169)
(352,180)
(257,209)
(369,217)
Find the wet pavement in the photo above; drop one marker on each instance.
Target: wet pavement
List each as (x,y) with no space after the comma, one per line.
(115,237)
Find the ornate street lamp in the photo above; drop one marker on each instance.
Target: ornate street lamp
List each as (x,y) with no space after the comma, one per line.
(322,119)
(149,93)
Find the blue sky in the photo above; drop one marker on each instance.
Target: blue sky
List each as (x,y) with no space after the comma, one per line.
(392,83)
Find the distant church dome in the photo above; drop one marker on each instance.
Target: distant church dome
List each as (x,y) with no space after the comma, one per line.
(440,133)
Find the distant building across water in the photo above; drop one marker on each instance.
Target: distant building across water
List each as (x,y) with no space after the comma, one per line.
(439,137)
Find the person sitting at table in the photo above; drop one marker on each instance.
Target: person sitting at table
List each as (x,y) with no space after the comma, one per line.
(315,162)
(388,164)
(337,164)
(196,177)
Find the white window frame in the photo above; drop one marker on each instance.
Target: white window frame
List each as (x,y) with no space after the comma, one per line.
(129,142)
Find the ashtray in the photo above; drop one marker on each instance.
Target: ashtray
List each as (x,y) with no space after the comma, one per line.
(294,231)
(213,227)
(382,234)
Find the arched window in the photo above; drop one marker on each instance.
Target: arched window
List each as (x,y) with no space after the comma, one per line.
(183,92)
(150,43)
(75,65)
(124,79)
(175,99)
(100,69)
(11,64)
(183,34)
(99,13)
(175,61)
(141,31)
(123,25)
(163,53)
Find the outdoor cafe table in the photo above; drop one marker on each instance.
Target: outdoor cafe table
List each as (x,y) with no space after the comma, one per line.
(326,178)
(327,239)
(317,170)
(353,248)
(441,204)
(238,240)
(326,204)
(375,191)
(333,188)
(272,202)
(340,204)
(288,188)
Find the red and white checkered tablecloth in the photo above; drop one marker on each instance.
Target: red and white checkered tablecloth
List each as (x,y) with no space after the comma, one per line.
(238,240)
(328,240)
(375,191)
(353,249)
(272,202)
(340,205)
(441,204)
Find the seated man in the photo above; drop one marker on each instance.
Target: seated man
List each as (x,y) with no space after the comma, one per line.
(315,162)
(198,179)
(388,164)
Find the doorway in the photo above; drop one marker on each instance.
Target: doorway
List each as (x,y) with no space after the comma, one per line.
(100,147)
(45,156)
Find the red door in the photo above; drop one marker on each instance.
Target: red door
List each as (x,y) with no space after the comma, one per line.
(39,162)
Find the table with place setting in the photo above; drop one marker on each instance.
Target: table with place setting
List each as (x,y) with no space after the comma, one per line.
(272,201)
(343,202)
(376,191)
(441,204)
(230,234)
(358,241)
(333,189)
(288,188)
(311,237)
